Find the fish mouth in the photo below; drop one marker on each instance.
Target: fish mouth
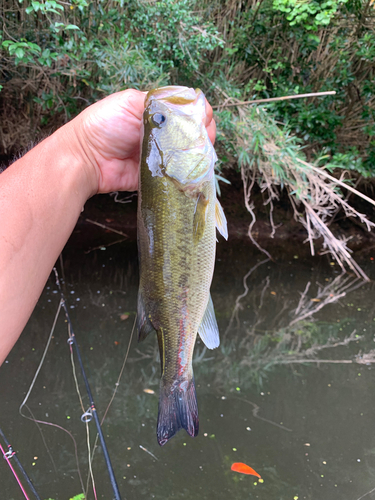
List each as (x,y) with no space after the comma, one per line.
(177,95)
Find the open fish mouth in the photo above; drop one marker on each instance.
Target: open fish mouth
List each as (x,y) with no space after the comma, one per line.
(174,95)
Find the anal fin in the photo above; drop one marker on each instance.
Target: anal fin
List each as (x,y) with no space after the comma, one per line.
(144,324)
(208,329)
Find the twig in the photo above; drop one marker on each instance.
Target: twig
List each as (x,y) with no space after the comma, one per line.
(272,99)
(336,181)
(103,226)
(248,186)
(302,361)
(326,295)
(302,298)
(255,411)
(104,246)
(237,305)
(259,318)
(365,494)
(278,166)
(326,301)
(149,452)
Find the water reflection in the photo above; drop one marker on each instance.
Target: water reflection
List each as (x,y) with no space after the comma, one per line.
(264,399)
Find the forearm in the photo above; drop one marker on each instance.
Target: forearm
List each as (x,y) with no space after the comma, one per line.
(41,197)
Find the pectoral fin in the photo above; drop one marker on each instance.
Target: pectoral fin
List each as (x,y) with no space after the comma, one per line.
(221,221)
(144,324)
(208,329)
(200,214)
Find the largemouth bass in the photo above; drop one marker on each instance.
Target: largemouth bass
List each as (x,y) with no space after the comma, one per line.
(177,215)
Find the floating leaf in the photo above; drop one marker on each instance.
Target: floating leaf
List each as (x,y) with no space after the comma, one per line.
(244,469)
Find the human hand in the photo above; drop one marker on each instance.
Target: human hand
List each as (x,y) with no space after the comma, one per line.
(107,136)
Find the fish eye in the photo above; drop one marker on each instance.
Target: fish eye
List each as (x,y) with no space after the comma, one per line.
(158,119)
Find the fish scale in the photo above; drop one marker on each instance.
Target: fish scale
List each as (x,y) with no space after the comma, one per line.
(177,216)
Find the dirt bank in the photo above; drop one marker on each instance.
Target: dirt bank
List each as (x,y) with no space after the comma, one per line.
(118,221)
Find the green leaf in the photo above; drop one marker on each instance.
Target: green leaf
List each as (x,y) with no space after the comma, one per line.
(19,53)
(36,5)
(34,47)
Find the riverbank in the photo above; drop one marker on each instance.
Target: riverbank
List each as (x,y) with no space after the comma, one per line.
(105,222)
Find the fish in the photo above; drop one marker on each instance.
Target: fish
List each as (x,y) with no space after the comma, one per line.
(244,469)
(178,212)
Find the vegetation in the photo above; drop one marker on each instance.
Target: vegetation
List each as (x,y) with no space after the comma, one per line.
(57,57)
(60,56)
(81,496)
(273,159)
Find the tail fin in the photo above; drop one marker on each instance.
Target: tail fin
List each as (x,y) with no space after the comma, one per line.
(178,409)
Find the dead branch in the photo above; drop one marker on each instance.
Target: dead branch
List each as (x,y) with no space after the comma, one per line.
(103,226)
(328,294)
(312,191)
(273,99)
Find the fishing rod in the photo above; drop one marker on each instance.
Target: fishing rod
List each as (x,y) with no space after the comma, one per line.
(91,412)
(12,454)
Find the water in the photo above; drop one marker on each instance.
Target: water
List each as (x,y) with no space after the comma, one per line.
(307,428)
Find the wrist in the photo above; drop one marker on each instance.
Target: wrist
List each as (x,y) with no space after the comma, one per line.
(76,158)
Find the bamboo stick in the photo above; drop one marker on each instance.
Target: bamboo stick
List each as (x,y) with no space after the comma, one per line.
(272,99)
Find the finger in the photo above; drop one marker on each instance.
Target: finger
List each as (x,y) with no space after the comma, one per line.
(210,123)
(133,101)
(129,101)
(211,130)
(209,113)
